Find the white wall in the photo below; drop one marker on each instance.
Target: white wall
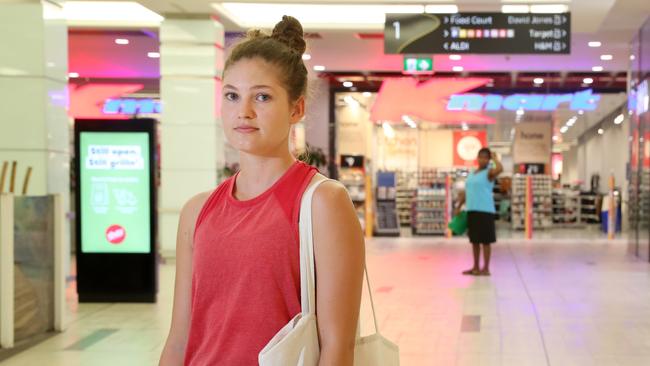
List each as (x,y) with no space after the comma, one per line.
(601,154)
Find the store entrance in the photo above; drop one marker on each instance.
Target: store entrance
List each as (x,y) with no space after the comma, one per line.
(557,167)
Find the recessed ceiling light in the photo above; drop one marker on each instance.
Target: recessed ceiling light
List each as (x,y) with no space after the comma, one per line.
(515,8)
(455,57)
(520,112)
(619,119)
(153,54)
(457,68)
(319,68)
(549,9)
(571,121)
(606,57)
(321,16)
(597,69)
(556,138)
(594,44)
(581,112)
(564,129)
(306,56)
(601,131)
(367,94)
(465,127)
(441,9)
(348,84)
(587,80)
(121,41)
(109,13)
(632,57)
(73,75)
(538,81)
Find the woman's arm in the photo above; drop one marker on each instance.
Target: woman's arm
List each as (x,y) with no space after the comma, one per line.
(340,256)
(174,351)
(459,202)
(498,168)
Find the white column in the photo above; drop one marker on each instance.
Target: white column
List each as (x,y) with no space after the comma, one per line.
(34,126)
(192,140)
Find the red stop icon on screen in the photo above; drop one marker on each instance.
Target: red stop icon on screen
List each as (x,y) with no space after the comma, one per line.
(115,234)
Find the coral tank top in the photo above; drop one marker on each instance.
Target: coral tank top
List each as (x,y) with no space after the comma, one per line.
(245,270)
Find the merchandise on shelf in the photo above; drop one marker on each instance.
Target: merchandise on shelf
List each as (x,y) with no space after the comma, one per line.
(542,203)
(566,207)
(590,207)
(386,222)
(406,185)
(639,201)
(430,206)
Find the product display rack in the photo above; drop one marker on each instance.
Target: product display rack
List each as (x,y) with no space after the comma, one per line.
(386,221)
(589,207)
(542,203)
(639,203)
(429,216)
(406,186)
(566,207)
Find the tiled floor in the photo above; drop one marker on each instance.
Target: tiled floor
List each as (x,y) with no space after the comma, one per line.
(549,302)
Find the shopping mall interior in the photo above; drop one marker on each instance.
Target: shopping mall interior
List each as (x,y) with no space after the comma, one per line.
(110,121)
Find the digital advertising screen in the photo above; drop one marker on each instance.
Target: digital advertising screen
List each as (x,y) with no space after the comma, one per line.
(114,176)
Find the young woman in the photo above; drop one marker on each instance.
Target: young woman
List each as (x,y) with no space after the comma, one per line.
(237,255)
(479,203)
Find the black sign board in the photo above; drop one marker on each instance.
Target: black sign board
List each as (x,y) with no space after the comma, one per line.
(481,33)
(351,161)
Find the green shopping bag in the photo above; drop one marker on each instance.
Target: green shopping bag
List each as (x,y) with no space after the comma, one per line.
(458,223)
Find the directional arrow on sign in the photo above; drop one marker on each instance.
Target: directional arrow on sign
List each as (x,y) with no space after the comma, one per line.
(424,65)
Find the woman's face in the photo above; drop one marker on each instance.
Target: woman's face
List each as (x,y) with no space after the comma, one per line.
(256,111)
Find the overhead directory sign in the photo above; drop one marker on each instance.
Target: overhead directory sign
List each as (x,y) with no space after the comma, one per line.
(115,192)
(480,33)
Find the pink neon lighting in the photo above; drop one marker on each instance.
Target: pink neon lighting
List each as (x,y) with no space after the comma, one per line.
(427,100)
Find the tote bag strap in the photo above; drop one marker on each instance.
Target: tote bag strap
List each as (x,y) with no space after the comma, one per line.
(307,272)
(307,276)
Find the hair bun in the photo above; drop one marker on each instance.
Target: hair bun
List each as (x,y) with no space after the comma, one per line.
(255,33)
(289,31)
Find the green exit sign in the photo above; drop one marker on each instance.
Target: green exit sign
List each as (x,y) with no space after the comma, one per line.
(418,64)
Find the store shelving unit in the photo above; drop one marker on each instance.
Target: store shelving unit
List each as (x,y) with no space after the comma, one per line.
(589,207)
(430,206)
(639,202)
(386,221)
(406,186)
(542,203)
(566,207)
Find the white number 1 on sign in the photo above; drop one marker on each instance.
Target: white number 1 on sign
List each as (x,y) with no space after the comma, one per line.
(396,25)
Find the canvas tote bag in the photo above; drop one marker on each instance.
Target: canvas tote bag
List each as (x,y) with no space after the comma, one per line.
(297,342)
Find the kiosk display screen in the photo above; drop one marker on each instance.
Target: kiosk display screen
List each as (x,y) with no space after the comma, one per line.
(115,192)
